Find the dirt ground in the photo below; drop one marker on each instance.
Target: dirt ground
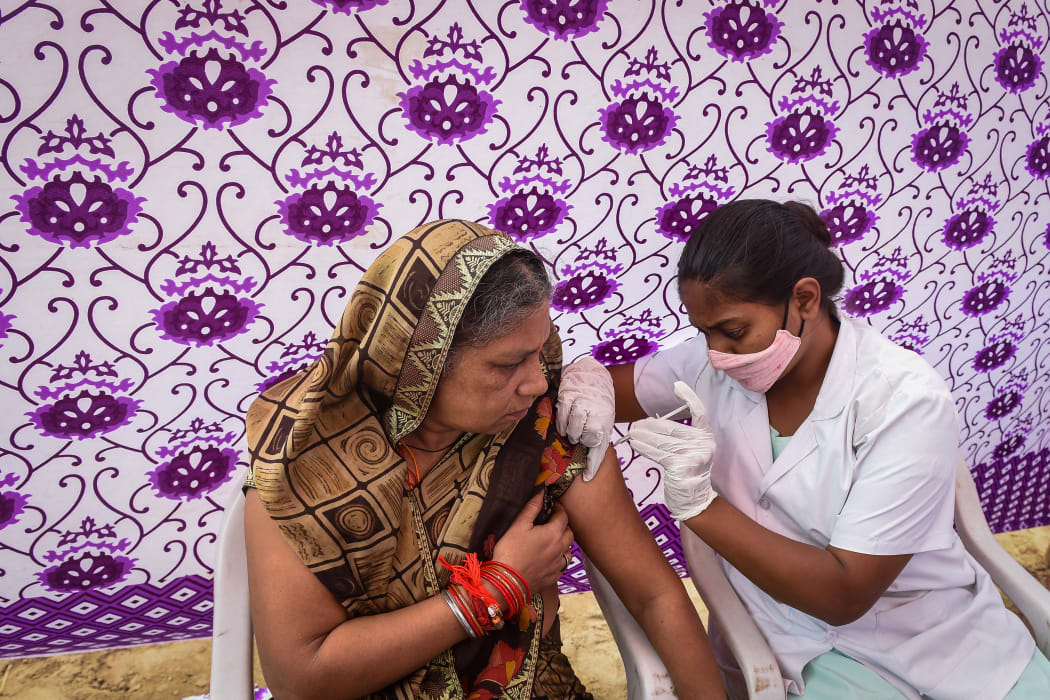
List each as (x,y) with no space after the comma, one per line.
(178,670)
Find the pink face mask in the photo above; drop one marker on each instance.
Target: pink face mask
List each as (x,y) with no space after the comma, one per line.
(757,371)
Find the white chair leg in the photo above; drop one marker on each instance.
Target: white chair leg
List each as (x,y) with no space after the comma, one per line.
(231,643)
(761,673)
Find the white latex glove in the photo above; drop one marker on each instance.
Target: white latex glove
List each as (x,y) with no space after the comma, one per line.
(684,451)
(587,409)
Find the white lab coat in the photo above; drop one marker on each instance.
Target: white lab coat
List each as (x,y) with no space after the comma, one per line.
(871,470)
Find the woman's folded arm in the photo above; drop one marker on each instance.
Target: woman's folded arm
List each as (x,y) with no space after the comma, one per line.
(308,647)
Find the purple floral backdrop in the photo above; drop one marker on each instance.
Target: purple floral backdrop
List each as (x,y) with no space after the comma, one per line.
(193,188)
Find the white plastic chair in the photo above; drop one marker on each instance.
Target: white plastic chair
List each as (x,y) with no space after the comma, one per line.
(759,675)
(231,646)
(231,636)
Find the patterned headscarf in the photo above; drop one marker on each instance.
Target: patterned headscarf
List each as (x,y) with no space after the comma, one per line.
(325,463)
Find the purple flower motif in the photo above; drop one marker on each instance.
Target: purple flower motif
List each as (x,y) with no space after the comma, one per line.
(585,290)
(967,228)
(87,571)
(742,30)
(894,49)
(627,348)
(78,211)
(1011,444)
(985,297)
(1037,159)
(800,136)
(678,219)
(848,221)
(192,474)
(12,504)
(637,124)
(564,19)
(1017,67)
(347,7)
(1002,404)
(205,318)
(213,91)
(527,215)
(938,147)
(1046,242)
(85,415)
(448,110)
(994,355)
(872,297)
(328,215)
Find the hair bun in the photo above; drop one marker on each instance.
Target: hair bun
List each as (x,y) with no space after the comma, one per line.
(811,221)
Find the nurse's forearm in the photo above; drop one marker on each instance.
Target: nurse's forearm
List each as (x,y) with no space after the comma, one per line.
(627,407)
(831,584)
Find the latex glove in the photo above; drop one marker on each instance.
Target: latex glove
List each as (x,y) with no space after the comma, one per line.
(587,409)
(684,451)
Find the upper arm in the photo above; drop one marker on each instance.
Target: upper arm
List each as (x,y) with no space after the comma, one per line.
(292,611)
(609,529)
(903,493)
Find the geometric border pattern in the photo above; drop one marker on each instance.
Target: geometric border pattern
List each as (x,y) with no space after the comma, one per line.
(1015,492)
(139,614)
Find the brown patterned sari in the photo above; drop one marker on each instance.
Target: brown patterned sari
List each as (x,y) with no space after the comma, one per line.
(324,462)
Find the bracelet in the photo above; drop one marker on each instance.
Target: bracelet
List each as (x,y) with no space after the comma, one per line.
(506,586)
(511,578)
(474,605)
(459,614)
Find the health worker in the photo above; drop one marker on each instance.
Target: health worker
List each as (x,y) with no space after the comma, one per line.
(822,470)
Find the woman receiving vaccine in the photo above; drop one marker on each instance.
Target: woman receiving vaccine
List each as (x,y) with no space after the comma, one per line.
(822,471)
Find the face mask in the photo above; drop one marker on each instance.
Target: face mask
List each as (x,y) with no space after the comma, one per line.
(757,371)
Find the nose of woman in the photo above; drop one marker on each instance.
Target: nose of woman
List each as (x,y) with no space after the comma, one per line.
(535,382)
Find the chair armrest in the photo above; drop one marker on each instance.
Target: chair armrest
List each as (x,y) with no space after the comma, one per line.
(647,677)
(1030,597)
(750,649)
(231,642)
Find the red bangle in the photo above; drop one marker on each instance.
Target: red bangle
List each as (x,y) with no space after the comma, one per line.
(513,576)
(507,588)
(503,590)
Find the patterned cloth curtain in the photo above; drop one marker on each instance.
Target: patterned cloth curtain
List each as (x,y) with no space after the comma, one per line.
(192,187)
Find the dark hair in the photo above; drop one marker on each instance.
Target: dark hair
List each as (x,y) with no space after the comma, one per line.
(757,249)
(509,291)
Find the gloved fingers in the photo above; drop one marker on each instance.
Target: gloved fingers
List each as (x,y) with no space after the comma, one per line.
(561,415)
(696,406)
(576,422)
(595,455)
(675,437)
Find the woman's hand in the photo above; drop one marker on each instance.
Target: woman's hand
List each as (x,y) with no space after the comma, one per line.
(684,451)
(536,552)
(587,409)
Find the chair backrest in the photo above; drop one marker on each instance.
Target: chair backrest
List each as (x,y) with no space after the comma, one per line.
(231,641)
(1030,596)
